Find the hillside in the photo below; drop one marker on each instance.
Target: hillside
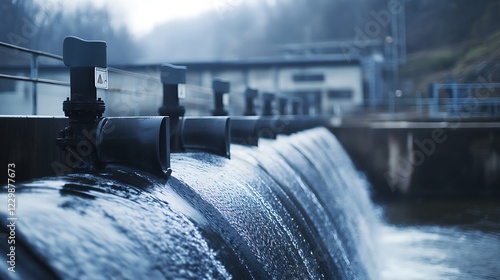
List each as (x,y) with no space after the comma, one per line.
(446,39)
(472,61)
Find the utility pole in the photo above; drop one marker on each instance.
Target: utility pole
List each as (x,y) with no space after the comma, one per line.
(398,50)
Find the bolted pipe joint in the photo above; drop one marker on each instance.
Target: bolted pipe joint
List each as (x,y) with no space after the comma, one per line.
(220,87)
(87,63)
(267,108)
(209,134)
(250,96)
(172,77)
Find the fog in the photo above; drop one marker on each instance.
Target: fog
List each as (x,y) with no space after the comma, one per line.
(452,40)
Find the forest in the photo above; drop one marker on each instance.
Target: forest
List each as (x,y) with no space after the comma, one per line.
(43,26)
(450,35)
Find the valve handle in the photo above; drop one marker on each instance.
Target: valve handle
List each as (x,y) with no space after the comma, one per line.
(81,53)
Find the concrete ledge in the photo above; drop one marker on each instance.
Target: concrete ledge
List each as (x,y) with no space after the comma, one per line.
(426,158)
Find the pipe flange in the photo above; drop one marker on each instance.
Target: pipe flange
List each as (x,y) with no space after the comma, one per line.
(172,111)
(93,109)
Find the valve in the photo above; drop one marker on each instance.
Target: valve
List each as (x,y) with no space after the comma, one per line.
(87,64)
(220,88)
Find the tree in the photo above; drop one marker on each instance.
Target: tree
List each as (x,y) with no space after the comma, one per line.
(44,27)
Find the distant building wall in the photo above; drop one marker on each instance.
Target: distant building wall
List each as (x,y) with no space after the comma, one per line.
(330,88)
(330,85)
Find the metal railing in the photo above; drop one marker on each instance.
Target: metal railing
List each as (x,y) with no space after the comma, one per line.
(439,108)
(131,89)
(452,100)
(34,67)
(472,98)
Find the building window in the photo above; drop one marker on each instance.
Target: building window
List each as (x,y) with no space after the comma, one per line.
(340,93)
(299,78)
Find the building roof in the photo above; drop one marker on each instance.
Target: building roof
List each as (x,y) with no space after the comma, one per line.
(263,62)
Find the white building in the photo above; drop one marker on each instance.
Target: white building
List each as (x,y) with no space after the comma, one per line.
(331,84)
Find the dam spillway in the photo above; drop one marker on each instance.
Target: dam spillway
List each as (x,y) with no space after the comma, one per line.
(163,197)
(240,197)
(269,212)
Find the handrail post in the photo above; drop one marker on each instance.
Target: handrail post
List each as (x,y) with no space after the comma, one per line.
(392,102)
(454,93)
(435,100)
(418,103)
(34,75)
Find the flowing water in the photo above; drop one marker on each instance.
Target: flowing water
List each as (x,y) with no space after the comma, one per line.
(292,208)
(441,239)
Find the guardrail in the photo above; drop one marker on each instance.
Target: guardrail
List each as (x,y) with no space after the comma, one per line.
(432,108)
(452,100)
(132,86)
(140,93)
(34,55)
(473,99)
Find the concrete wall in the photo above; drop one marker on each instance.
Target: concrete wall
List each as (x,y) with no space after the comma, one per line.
(30,144)
(429,159)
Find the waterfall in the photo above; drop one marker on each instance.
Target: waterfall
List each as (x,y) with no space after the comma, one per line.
(292,208)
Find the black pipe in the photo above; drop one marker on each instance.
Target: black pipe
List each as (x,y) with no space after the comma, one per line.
(250,95)
(300,123)
(209,134)
(267,106)
(244,130)
(220,87)
(269,127)
(141,142)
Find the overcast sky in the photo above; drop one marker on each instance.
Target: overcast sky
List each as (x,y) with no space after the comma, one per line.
(141,16)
